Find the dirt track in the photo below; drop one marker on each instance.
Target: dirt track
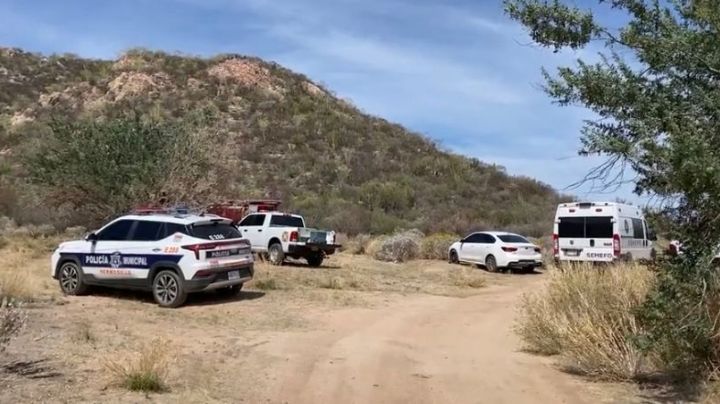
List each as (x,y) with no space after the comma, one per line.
(424,349)
(298,346)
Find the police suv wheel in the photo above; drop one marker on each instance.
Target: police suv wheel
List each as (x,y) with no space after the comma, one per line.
(276,254)
(70,277)
(168,289)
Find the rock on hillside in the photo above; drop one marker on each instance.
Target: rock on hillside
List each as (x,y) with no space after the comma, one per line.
(277,134)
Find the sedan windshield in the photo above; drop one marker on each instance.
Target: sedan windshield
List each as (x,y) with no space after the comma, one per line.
(512,238)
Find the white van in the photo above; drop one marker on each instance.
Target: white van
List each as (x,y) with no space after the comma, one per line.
(601,232)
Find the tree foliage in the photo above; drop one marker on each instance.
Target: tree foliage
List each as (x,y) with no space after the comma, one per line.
(106,167)
(656,93)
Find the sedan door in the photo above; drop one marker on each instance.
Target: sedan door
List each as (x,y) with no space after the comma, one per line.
(486,246)
(469,248)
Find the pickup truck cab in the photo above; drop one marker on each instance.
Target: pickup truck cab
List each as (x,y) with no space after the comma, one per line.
(282,235)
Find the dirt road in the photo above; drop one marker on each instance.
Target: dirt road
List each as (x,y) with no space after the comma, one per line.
(426,349)
(366,338)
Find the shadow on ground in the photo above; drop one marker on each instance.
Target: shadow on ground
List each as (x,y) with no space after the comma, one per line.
(194,299)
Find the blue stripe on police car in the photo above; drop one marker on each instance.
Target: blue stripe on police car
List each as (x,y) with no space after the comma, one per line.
(118,260)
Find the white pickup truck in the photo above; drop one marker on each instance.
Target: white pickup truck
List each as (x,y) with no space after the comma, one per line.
(283,235)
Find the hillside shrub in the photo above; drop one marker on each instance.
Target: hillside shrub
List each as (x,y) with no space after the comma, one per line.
(399,247)
(436,246)
(588,316)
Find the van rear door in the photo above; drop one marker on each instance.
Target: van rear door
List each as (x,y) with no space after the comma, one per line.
(586,238)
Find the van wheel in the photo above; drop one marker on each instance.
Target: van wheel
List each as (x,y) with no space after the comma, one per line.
(491,264)
(276,254)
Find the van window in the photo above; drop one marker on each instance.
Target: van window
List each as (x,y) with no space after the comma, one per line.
(598,227)
(585,227)
(572,227)
(638,230)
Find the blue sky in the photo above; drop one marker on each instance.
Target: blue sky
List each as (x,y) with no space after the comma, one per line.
(459,71)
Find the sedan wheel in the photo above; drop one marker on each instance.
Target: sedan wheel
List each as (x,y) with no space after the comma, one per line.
(491,263)
(454,257)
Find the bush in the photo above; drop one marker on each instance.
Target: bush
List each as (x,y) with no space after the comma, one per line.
(435,247)
(358,245)
(147,373)
(399,247)
(12,320)
(587,315)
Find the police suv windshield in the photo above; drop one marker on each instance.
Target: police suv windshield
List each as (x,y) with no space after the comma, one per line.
(214,231)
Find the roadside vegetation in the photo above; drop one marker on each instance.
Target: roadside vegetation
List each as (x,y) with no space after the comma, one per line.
(653,92)
(588,316)
(146,370)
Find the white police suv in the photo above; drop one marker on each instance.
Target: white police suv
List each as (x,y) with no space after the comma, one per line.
(169,254)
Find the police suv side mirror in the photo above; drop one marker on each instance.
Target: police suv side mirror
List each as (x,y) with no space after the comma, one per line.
(652,236)
(91,237)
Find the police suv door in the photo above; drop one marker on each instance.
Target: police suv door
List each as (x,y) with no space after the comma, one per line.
(103,259)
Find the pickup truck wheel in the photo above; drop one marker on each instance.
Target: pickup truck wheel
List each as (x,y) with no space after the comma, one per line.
(276,253)
(315,260)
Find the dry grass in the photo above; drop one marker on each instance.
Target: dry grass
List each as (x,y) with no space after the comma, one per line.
(436,246)
(586,315)
(349,272)
(24,270)
(146,371)
(84,333)
(12,319)
(358,244)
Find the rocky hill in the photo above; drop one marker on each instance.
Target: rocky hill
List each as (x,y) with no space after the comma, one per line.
(276,133)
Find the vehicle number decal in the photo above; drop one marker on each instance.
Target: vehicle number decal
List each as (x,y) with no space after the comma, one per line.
(172,249)
(217,237)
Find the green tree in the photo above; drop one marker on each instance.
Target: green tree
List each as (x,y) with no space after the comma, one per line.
(655,91)
(106,167)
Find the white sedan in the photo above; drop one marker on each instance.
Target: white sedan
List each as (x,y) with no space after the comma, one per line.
(495,250)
